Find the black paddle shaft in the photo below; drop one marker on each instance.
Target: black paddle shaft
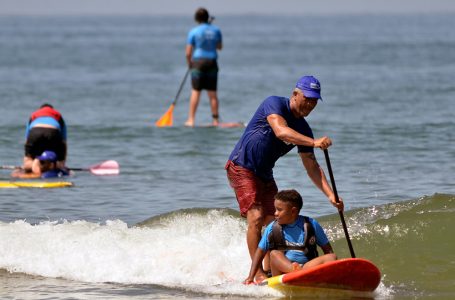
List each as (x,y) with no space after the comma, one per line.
(181,86)
(332,179)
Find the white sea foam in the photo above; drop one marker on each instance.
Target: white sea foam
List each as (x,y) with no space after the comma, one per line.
(194,250)
(203,253)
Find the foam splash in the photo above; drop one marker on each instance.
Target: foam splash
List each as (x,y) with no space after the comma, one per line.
(197,252)
(204,250)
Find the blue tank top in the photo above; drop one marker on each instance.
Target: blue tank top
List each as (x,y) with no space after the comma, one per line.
(204,38)
(258,149)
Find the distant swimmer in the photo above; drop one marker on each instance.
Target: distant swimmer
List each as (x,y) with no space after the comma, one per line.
(45,131)
(47,168)
(277,126)
(203,43)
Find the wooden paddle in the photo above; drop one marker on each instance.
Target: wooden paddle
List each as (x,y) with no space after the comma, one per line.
(332,179)
(109,167)
(166,119)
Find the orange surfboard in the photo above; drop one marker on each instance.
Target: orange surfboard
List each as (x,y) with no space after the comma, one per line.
(350,274)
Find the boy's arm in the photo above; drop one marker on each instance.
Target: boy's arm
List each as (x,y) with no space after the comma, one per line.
(327,248)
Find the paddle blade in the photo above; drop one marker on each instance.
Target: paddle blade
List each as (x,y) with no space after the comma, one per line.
(166,119)
(109,167)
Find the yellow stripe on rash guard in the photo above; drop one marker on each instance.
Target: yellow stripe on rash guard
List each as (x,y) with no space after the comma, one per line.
(35,184)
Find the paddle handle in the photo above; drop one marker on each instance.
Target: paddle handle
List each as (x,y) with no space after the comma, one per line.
(181,86)
(20,167)
(78,169)
(337,199)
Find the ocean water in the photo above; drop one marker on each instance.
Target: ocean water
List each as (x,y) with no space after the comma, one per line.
(168,227)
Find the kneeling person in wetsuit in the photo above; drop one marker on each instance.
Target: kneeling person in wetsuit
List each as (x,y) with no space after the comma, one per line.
(45,131)
(292,239)
(47,168)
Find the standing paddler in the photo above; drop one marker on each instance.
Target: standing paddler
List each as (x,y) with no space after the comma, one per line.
(277,126)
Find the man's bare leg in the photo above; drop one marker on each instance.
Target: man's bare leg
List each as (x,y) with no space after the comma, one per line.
(255,222)
(194,102)
(213,98)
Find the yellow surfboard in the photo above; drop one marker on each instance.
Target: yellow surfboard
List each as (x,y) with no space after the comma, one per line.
(34,184)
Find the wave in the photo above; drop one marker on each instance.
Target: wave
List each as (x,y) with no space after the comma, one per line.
(411,242)
(203,250)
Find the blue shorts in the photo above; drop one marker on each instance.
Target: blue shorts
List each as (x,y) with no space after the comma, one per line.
(204,74)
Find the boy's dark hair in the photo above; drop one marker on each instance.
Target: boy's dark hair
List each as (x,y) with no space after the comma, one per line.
(201,15)
(290,196)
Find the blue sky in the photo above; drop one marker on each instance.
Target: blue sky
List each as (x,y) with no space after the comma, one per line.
(218,7)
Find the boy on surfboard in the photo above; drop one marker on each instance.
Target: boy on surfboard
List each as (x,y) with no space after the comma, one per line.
(292,239)
(47,168)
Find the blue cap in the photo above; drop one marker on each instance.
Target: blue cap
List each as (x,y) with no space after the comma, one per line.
(310,87)
(48,155)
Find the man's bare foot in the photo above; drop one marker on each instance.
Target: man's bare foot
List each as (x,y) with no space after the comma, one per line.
(260,277)
(189,124)
(296,266)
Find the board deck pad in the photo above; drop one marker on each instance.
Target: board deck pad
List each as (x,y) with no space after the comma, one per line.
(354,274)
(35,184)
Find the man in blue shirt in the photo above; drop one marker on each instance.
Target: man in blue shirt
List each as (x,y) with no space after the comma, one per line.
(201,54)
(292,239)
(277,126)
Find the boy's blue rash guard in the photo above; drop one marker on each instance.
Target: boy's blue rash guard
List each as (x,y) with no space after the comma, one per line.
(258,149)
(295,233)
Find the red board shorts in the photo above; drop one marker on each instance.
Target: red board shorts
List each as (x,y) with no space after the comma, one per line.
(250,190)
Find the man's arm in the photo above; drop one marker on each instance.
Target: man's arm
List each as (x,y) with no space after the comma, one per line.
(289,135)
(61,164)
(316,173)
(285,133)
(188,53)
(24,175)
(36,167)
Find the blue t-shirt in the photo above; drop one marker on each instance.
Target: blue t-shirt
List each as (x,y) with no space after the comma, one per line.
(295,233)
(204,38)
(258,149)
